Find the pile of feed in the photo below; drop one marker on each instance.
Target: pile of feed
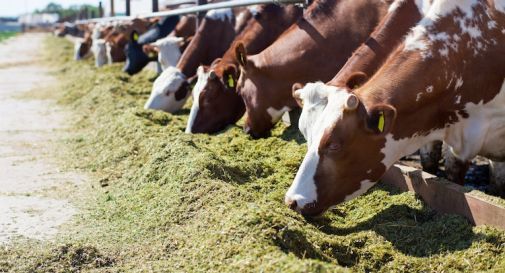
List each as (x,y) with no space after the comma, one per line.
(166,200)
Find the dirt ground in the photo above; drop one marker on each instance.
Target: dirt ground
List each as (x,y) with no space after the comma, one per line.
(29,129)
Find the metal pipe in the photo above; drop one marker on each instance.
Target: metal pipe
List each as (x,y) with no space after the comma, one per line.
(155,6)
(199,15)
(112,13)
(128,9)
(220,5)
(195,9)
(100,9)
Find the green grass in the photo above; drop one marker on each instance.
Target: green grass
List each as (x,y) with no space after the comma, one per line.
(174,202)
(4,35)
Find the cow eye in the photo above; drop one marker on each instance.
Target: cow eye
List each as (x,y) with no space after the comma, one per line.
(334,147)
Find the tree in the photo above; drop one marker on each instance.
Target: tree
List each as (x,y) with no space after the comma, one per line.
(71,13)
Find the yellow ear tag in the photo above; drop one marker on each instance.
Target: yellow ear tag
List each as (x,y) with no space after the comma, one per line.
(231,81)
(380,126)
(135,36)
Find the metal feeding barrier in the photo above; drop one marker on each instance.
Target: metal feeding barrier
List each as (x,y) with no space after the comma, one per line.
(193,9)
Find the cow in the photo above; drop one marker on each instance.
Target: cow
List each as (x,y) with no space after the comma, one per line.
(214,36)
(425,91)
(217,93)
(323,39)
(67,28)
(136,59)
(168,50)
(82,46)
(402,15)
(116,40)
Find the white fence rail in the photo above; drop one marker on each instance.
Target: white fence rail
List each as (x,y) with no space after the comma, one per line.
(193,9)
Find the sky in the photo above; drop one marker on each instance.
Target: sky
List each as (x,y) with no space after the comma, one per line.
(17,7)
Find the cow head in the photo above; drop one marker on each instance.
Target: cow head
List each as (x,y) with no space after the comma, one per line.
(345,142)
(136,59)
(216,103)
(169,50)
(170,91)
(81,49)
(259,95)
(115,48)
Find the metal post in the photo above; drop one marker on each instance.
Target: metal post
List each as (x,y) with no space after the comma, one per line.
(155,6)
(200,15)
(128,11)
(100,9)
(112,13)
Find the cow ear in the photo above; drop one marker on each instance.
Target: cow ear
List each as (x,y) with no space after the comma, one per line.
(241,54)
(215,62)
(356,80)
(230,76)
(180,41)
(381,119)
(295,91)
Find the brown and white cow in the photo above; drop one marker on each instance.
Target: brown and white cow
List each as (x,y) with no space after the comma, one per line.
(444,82)
(170,48)
(216,103)
(114,43)
(84,46)
(214,36)
(311,49)
(402,15)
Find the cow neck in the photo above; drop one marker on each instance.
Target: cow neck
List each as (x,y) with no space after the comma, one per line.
(431,87)
(326,35)
(186,27)
(210,42)
(262,30)
(385,38)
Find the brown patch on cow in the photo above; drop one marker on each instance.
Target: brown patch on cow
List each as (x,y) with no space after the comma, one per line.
(220,104)
(384,39)
(313,49)
(182,92)
(356,80)
(118,38)
(210,42)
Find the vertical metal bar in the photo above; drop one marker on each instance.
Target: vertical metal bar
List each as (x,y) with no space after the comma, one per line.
(200,15)
(112,13)
(128,10)
(100,9)
(155,6)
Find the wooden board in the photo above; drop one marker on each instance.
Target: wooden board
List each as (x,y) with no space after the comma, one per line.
(446,197)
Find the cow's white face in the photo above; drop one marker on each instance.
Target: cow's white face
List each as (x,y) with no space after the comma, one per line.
(169,91)
(344,148)
(77,48)
(315,99)
(100,52)
(169,51)
(197,90)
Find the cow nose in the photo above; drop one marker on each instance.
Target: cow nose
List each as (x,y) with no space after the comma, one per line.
(292,204)
(247,129)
